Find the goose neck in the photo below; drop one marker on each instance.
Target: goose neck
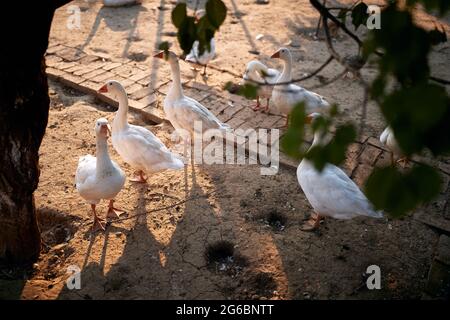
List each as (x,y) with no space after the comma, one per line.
(102,155)
(176,90)
(120,120)
(286,74)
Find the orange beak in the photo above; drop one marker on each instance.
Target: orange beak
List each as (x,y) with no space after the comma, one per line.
(308,119)
(105,129)
(103,89)
(275,55)
(159,55)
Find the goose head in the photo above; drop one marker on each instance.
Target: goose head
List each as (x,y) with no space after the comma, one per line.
(253,67)
(167,55)
(114,88)
(102,128)
(283,54)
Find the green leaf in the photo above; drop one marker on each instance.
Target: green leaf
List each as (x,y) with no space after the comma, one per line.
(334,151)
(342,15)
(205,32)
(179,14)
(187,34)
(292,140)
(216,12)
(164,46)
(418,115)
(398,193)
(359,15)
(247,90)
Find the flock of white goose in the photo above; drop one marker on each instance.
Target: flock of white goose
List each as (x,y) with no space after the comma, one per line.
(330,192)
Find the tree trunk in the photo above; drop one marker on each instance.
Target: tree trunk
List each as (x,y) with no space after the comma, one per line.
(24,105)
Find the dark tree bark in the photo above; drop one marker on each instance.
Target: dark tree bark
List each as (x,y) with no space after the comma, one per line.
(24,105)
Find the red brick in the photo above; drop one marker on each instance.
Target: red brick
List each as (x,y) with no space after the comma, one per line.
(76,67)
(270,121)
(51,61)
(94,86)
(89,59)
(148,100)
(94,73)
(141,93)
(71,54)
(87,69)
(70,78)
(55,48)
(125,70)
(136,104)
(369,155)
(105,76)
(235,122)
(230,111)
(54,72)
(111,65)
(134,88)
(138,76)
(64,65)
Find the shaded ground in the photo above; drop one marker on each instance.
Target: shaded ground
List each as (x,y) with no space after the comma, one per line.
(164,254)
(251,221)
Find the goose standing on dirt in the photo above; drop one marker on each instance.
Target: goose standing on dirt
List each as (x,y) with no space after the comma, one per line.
(258,72)
(202,59)
(137,146)
(286,96)
(183,111)
(99,177)
(388,139)
(331,192)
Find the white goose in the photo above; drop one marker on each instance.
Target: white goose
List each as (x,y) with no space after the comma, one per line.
(202,59)
(183,111)
(256,71)
(135,144)
(99,177)
(286,96)
(388,139)
(331,192)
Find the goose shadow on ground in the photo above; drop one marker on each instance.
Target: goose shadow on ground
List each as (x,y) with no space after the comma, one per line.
(129,23)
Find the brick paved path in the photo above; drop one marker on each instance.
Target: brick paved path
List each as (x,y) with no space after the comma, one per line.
(146,91)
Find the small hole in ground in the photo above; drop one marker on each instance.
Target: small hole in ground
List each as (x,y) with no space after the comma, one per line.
(276,220)
(222,256)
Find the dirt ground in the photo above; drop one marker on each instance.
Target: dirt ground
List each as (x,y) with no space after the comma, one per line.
(208,232)
(205,232)
(135,32)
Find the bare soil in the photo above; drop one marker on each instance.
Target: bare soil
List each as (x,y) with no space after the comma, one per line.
(206,232)
(226,231)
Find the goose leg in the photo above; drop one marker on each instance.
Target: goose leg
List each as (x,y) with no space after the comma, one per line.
(258,105)
(98,223)
(139,177)
(204,70)
(287,121)
(313,223)
(266,109)
(113,213)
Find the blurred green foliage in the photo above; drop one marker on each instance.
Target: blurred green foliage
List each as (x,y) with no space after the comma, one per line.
(417,110)
(192,28)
